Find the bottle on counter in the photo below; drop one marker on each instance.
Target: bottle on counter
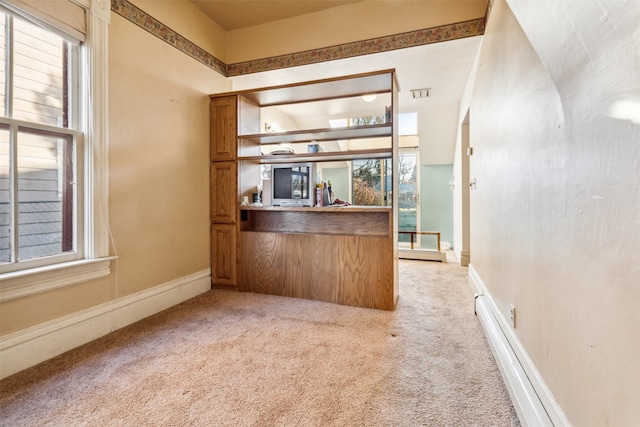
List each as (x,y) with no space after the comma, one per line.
(325,195)
(319,192)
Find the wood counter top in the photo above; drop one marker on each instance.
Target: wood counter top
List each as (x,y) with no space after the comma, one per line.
(345,209)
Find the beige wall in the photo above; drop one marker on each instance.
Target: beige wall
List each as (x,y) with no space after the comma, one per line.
(190,22)
(22,313)
(350,23)
(440,124)
(159,176)
(159,150)
(555,219)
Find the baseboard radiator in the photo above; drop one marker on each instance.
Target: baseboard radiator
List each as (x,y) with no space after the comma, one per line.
(529,394)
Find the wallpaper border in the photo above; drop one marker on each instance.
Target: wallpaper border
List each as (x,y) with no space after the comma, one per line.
(422,37)
(364,47)
(153,26)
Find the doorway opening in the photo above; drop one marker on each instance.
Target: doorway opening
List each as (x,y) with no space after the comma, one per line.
(420,219)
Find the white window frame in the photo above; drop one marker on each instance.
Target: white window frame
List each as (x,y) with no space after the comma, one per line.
(73,131)
(93,123)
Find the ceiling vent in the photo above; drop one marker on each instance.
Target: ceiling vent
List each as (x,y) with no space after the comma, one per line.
(420,93)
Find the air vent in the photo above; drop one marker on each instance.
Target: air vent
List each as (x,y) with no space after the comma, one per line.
(420,93)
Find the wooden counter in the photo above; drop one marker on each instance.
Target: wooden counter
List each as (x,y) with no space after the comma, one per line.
(343,255)
(345,220)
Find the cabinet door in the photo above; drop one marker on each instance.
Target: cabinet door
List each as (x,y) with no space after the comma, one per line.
(224,128)
(223,254)
(224,184)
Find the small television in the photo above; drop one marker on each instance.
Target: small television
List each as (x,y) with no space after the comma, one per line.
(293,184)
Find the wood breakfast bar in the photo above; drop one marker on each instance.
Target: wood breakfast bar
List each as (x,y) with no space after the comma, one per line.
(342,255)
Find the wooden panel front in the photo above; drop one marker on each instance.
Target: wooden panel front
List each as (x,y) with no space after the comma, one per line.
(348,270)
(224,128)
(375,224)
(223,254)
(224,199)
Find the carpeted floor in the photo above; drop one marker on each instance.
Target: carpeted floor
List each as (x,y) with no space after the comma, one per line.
(240,359)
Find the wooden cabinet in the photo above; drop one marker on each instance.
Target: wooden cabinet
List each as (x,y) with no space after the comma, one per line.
(224,191)
(224,198)
(341,255)
(223,254)
(224,128)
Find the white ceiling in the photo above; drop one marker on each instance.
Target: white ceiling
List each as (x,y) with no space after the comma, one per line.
(443,67)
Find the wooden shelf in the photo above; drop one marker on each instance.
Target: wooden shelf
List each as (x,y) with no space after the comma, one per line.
(318,90)
(331,134)
(322,157)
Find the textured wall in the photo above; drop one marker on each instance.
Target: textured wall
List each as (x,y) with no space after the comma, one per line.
(555,218)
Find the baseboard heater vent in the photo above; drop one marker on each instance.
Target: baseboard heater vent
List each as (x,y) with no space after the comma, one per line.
(529,394)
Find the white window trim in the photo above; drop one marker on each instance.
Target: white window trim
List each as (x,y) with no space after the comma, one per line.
(22,283)
(94,123)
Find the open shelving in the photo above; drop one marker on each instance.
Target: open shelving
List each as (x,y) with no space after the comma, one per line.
(289,242)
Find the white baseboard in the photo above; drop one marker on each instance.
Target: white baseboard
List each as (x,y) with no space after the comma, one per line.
(465,258)
(29,347)
(532,399)
(423,255)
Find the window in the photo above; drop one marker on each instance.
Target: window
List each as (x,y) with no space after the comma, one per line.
(40,205)
(407,124)
(371,182)
(57,138)
(370,179)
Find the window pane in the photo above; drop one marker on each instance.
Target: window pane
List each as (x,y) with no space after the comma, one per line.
(408,124)
(407,195)
(5,209)
(3,63)
(45,194)
(39,82)
(371,182)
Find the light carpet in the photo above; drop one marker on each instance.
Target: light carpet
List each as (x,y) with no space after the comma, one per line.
(240,359)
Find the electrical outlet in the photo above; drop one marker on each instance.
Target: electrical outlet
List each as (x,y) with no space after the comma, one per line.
(512,316)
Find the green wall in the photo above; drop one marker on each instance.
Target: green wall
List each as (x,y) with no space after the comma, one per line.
(339,178)
(436,200)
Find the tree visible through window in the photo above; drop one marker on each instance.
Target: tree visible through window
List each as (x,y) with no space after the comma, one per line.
(366,183)
(371,182)
(38,143)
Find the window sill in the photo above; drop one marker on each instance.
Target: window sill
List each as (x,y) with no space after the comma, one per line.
(28,282)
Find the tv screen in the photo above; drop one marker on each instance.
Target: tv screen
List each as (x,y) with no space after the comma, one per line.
(291,184)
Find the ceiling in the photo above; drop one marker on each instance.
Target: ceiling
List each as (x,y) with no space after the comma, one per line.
(236,14)
(442,67)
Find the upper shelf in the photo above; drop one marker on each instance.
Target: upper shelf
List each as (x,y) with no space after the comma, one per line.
(334,88)
(322,157)
(333,134)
